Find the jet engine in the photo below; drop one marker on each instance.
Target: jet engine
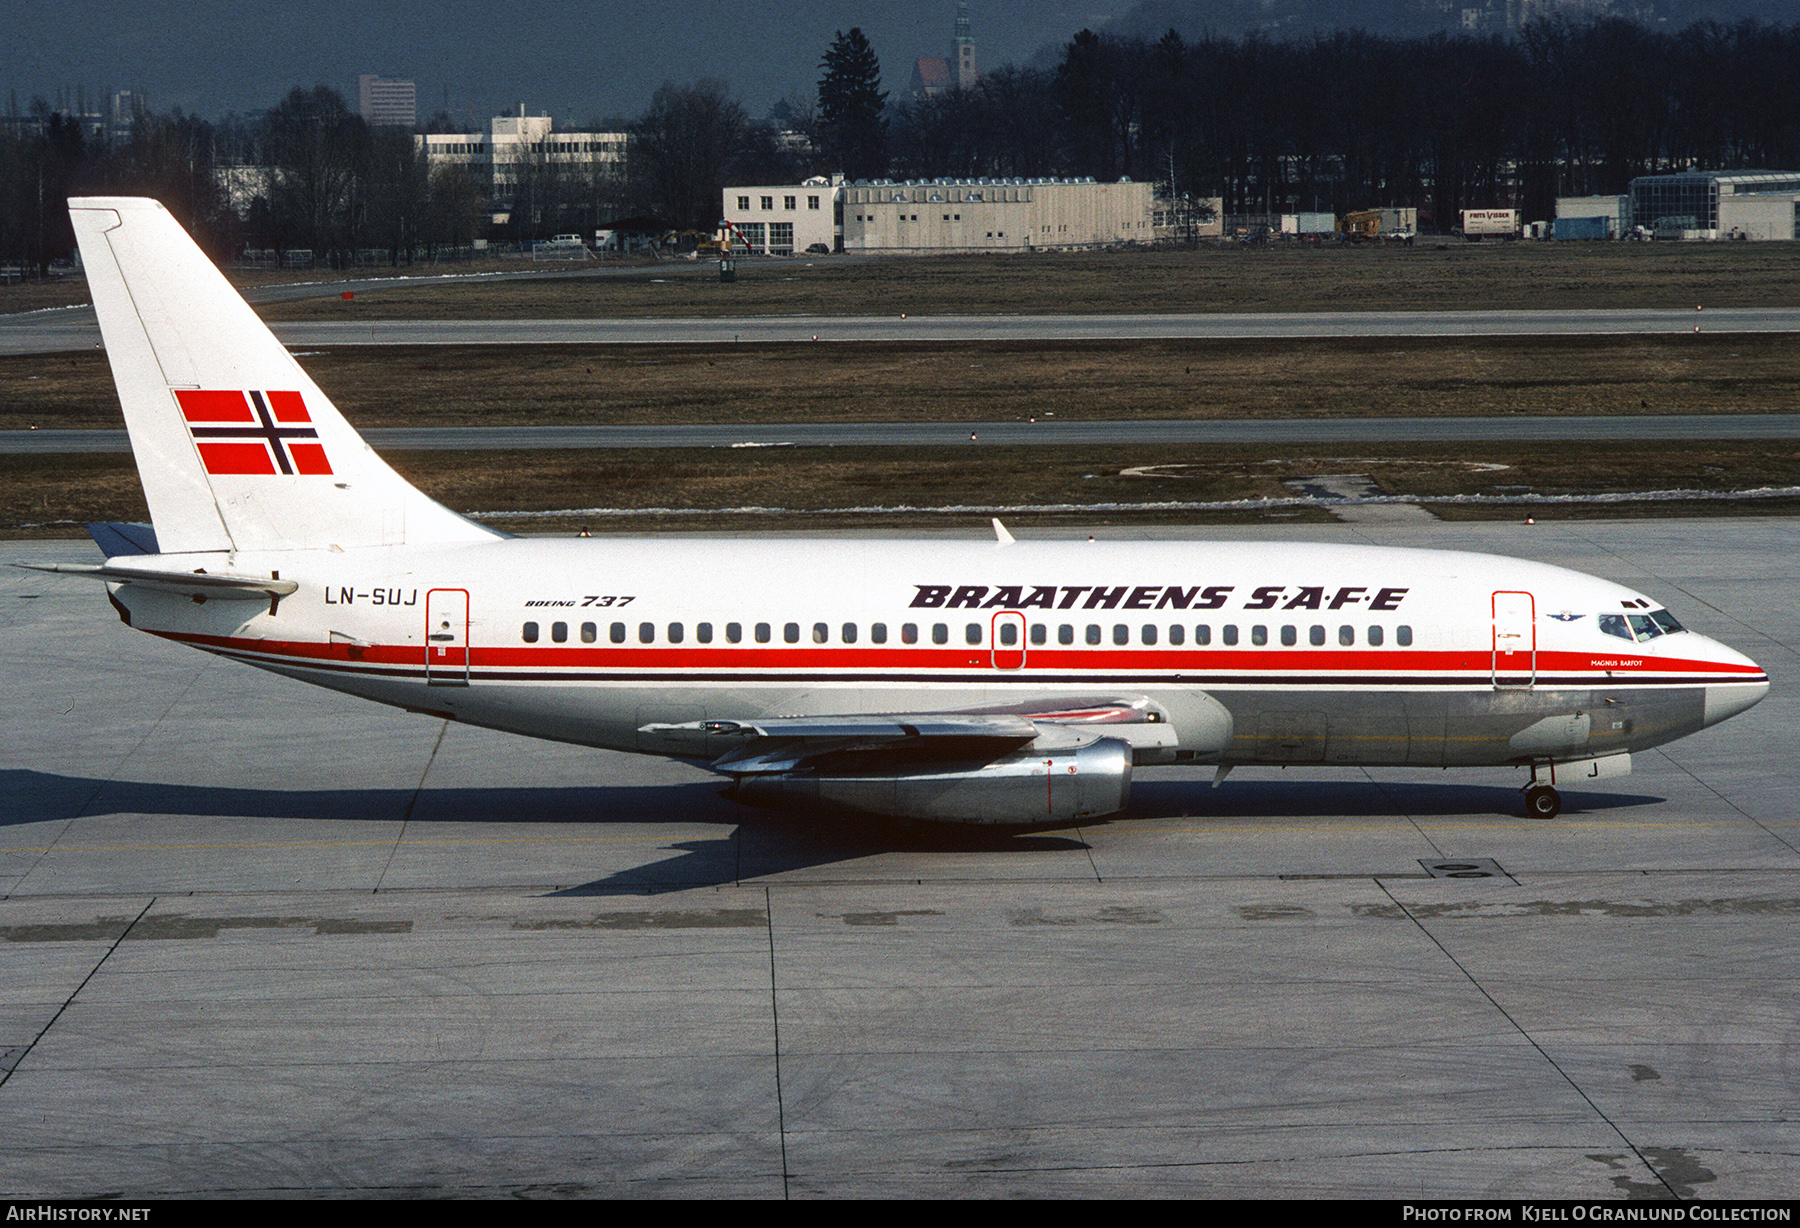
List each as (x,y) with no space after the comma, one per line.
(1031,785)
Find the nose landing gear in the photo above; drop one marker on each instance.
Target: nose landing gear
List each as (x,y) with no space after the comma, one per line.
(1542,801)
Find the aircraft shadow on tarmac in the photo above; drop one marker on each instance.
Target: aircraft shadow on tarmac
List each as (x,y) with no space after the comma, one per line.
(757,842)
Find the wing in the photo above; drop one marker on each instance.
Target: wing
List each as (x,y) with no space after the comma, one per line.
(1051,760)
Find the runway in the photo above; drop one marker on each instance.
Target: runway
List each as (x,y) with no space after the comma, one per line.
(266,940)
(74,328)
(1044,433)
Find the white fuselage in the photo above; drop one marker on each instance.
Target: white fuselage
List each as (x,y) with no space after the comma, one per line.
(1322,654)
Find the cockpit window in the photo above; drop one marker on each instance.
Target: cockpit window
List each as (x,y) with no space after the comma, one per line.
(1614,624)
(1640,627)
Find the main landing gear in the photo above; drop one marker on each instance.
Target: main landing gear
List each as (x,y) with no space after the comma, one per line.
(1541,801)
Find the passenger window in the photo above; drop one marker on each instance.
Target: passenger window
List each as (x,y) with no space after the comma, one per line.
(762,633)
(821,633)
(1203,634)
(559,633)
(972,633)
(1093,633)
(734,632)
(877,633)
(1375,637)
(1177,634)
(646,633)
(703,632)
(1065,634)
(1230,634)
(791,633)
(1039,633)
(1009,634)
(1121,634)
(589,633)
(1346,637)
(1289,636)
(617,632)
(530,633)
(1148,634)
(1259,635)
(909,633)
(940,633)
(675,633)
(849,635)
(1403,636)
(1315,635)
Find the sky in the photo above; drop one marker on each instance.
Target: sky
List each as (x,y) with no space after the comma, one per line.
(573,61)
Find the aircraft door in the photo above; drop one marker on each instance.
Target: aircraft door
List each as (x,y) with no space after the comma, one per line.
(1515,640)
(447,637)
(1008,631)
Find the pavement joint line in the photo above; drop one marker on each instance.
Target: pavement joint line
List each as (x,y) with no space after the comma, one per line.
(1663,751)
(76,992)
(1531,1040)
(775,1030)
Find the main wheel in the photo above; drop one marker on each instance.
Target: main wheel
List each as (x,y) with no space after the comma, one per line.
(1542,802)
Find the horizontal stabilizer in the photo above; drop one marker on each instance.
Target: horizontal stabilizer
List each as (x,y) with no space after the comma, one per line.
(187,584)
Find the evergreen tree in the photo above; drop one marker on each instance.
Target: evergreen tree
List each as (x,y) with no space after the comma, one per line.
(850,105)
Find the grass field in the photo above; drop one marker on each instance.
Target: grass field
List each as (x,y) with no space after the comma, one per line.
(559,385)
(1402,377)
(1451,276)
(836,487)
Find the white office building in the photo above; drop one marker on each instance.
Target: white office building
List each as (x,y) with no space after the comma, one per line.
(781,220)
(514,145)
(384,103)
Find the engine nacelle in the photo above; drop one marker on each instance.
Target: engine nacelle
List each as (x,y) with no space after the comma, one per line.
(1034,785)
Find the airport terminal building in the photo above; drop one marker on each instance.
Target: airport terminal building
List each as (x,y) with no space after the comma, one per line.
(941,215)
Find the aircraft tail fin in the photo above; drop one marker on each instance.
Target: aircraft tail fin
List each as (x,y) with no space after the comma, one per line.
(237,448)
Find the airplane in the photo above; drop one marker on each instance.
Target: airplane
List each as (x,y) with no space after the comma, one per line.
(1003,681)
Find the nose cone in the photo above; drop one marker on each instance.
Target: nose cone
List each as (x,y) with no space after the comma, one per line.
(1745,686)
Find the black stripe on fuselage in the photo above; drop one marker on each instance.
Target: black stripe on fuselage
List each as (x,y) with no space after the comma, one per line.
(999,677)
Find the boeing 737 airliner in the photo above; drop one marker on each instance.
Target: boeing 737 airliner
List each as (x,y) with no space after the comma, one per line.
(980,682)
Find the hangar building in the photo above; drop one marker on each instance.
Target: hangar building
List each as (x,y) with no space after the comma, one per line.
(941,215)
(1717,205)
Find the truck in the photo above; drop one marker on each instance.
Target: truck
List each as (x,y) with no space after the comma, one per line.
(1490,223)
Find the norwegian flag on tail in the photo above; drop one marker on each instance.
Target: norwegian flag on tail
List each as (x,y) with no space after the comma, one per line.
(253,432)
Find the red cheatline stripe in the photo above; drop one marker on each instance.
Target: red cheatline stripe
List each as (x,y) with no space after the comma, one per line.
(1397,666)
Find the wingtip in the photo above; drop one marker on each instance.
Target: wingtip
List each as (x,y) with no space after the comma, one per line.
(1000,533)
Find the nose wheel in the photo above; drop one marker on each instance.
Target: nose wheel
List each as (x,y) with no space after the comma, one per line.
(1542,802)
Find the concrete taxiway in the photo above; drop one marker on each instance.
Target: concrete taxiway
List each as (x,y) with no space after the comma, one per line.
(74,328)
(1045,432)
(262,939)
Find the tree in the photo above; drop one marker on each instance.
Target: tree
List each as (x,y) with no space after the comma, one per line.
(850,106)
(681,151)
(315,147)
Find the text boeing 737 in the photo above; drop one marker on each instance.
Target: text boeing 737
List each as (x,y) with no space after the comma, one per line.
(1005,682)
